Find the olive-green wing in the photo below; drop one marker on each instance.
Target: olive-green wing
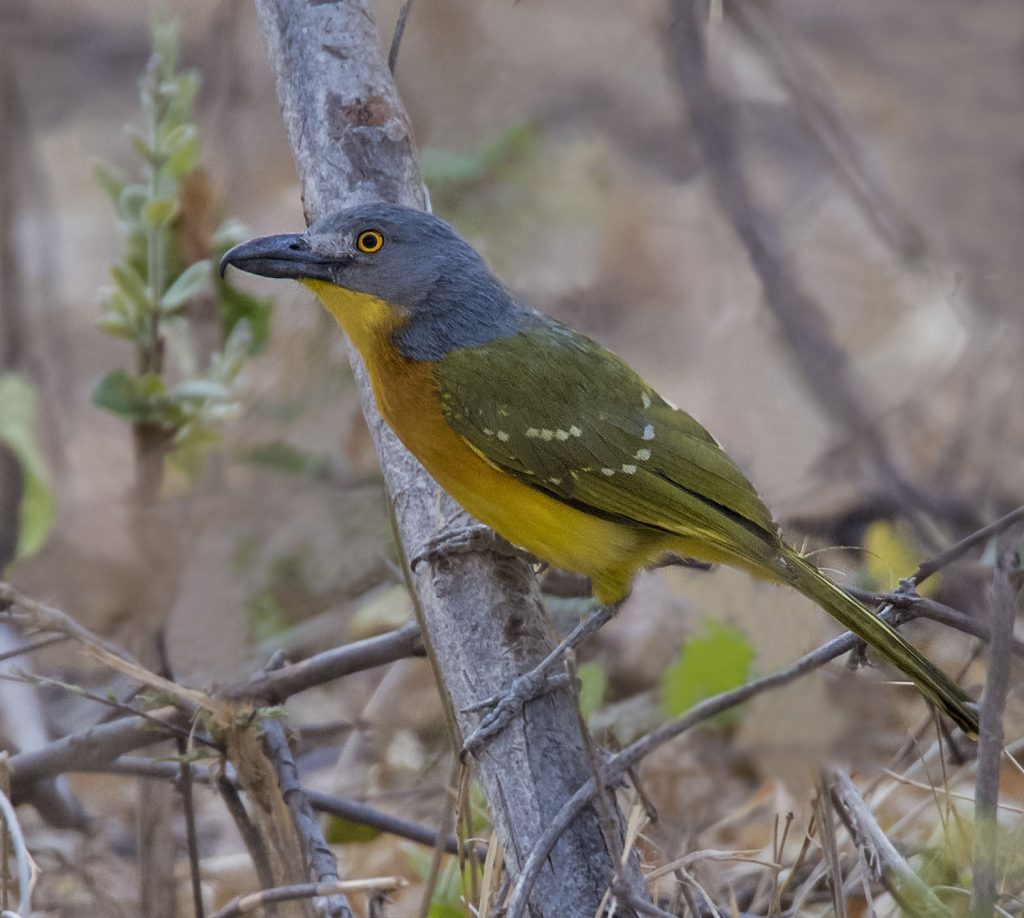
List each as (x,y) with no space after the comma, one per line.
(561,413)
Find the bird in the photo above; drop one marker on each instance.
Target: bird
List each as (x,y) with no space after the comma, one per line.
(540,433)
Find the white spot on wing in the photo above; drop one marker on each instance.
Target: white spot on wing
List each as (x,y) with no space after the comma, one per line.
(562,434)
(532,433)
(546,434)
(608,472)
(646,399)
(575,431)
(629,469)
(555,481)
(488,432)
(648,433)
(503,436)
(642,454)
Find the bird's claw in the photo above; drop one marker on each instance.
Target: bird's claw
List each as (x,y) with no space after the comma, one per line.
(468,540)
(503,707)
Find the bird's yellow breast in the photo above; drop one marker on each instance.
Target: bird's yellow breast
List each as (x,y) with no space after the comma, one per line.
(406,394)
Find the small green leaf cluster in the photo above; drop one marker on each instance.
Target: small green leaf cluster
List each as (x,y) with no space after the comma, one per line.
(17,434)
(154,291)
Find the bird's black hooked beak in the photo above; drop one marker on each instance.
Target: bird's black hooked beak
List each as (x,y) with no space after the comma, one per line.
(285,255)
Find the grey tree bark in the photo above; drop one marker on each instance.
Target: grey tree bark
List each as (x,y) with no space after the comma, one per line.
(481,616)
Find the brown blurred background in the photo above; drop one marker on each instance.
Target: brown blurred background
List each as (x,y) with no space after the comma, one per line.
(597,208)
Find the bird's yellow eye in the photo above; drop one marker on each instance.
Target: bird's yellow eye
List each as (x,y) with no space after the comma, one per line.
(369,241)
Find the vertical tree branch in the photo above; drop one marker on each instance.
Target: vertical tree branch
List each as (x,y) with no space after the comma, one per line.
(1003,604)
(481,617)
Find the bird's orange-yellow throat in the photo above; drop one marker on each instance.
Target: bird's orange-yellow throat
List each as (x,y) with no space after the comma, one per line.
(541,433)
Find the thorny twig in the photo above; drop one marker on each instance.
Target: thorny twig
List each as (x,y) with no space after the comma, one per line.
(320,861)
(916,606)
(951,554)
(246,905)
(882,858)
(1003,600)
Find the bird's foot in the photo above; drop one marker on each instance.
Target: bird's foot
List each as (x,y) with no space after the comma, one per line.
(502,708)
(466,540)
(538,681)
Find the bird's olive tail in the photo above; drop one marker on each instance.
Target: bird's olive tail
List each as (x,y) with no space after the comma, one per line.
(886,641)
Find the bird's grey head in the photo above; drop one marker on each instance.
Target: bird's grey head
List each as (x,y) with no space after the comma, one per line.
(405,257)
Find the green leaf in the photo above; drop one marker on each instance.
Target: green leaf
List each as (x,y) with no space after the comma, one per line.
(199,389)
(141,147)
(17,432)
(131,201)
(226,365)
(593,684)
(181,148)
(714,660)
(237,307)
(190,283)
(131,284)
(125,395)
(165,41)
(110,180)
(278,456)
(159,212)
(342,831)
(116,325)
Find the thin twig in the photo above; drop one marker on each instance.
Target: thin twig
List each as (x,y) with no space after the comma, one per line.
(829,845)
(430,881)
(921,607)
(46,618)
(251,837)
(352,810)
(1003,601)
(27,870)
(357,656)
(246,905)
(187,798)
(763,26)
(87,749)
(320,861)
(396,38)
(884,861)
(22,609)
(954,552)
(31,646)
(101,744)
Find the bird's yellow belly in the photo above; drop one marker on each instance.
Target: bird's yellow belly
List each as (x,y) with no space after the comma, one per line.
(601,549)
(607,552)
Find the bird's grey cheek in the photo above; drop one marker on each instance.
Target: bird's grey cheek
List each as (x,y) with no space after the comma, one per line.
(349,275)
